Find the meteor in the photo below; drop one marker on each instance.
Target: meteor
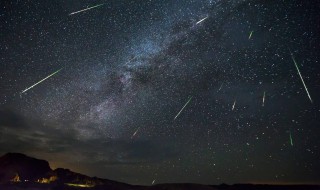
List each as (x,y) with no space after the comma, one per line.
(40,81)
(182,108)
(234,104)
(291,142)
(305,87)
(220,87)
(134,134)
(86,9)
(250,35)
(263,98)
(131,59)
(202,20)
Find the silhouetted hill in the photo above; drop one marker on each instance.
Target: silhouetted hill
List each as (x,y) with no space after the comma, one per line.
(67,176)
(26,167)
(34,174)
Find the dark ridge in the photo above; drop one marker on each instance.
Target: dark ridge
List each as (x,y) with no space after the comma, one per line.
(35,174)
(26,167)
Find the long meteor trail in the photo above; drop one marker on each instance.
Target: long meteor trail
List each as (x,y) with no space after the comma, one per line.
(25,90)
(291,141)
(305,87)
(202,20)
(86,9)
(182,108)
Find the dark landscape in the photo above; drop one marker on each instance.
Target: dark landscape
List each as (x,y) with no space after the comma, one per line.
(18,171)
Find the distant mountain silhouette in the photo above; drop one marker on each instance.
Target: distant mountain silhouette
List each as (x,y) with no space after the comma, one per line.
(17,167)
(20,172)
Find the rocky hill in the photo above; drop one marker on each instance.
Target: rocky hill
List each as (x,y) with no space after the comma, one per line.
(25,168)
(20,172)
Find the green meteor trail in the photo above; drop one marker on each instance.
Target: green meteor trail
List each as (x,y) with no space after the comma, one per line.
(250,35)
(305,87)
(86,9)
(40,81)
(291,142)
(182,108)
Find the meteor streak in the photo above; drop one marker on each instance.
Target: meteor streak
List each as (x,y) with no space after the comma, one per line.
(250,35)
(134,134)
(305,87)
(202,20)
(131,59)
(263,98)
(86,9)
(234,104)
(182,108)
(291,142)
(220,87)
(40,81)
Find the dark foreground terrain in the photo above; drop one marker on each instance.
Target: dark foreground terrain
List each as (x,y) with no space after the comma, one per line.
(18,171)
(34,186)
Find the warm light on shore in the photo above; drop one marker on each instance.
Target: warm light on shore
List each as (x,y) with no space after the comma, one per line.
(79,185)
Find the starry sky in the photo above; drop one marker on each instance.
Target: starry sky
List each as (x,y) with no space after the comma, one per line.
(127,68)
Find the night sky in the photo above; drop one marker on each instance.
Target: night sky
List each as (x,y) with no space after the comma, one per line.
(126,68)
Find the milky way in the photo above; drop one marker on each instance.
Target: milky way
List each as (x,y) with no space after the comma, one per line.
(129,67)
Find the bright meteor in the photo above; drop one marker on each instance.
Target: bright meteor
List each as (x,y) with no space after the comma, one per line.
(234,104)
(202,20)
(86,9)
(305,87)
(182,108)
(40,81)
(250,35)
